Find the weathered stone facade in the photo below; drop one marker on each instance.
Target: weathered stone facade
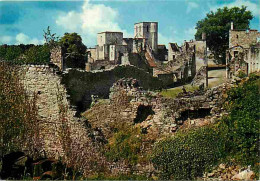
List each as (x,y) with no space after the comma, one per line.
(105,40)
(173,51)
(243,54)
(113,47)
(181,65)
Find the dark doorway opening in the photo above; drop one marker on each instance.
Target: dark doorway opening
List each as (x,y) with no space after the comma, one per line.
(142,113)
(194,114)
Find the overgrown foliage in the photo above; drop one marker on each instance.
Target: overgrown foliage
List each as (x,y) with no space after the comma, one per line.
(37,55)
(125,145)
(243,124)
(75,50)
(216,25)
(187,155)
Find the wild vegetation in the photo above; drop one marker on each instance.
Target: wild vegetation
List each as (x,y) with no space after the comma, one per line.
(233,140)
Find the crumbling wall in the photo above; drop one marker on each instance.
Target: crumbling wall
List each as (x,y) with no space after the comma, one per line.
(127,98)
(243,38)
(57,58)
(200,76)
(60,131)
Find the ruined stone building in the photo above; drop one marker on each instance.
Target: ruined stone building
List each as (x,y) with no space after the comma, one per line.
(173,51)
(243,53)
(146,34)
(171,65)
(113,47)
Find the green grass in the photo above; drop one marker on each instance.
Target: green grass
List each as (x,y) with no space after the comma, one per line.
(173,92)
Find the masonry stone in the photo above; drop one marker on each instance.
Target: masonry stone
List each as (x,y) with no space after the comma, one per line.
(243,54)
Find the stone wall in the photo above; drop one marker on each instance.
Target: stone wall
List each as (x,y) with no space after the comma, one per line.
(61,133)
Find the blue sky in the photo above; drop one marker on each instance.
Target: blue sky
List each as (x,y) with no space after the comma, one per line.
(24,21)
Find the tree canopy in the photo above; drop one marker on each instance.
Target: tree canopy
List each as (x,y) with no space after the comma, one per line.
(217,24)
(73,43)
(75,50)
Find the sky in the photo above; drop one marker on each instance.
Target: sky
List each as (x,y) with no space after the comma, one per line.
(23,22)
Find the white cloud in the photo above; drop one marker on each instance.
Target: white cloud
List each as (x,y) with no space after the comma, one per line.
(24,39)
(93,18)
(191,6)
(253,7)
(5,39)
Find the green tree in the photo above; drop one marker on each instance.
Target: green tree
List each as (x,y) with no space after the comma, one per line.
(216,25)
(75,50)
(10,53)
(37,54)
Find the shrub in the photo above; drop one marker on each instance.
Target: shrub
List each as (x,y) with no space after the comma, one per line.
(187,155)
(124,145)
(241,74)
(243,124)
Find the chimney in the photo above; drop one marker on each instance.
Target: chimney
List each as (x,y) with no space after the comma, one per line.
(232,25)
(203,36)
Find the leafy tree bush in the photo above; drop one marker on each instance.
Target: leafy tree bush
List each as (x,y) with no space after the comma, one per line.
(75,50)
(187,155)
(50,38)
(25,54)
(37,55)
